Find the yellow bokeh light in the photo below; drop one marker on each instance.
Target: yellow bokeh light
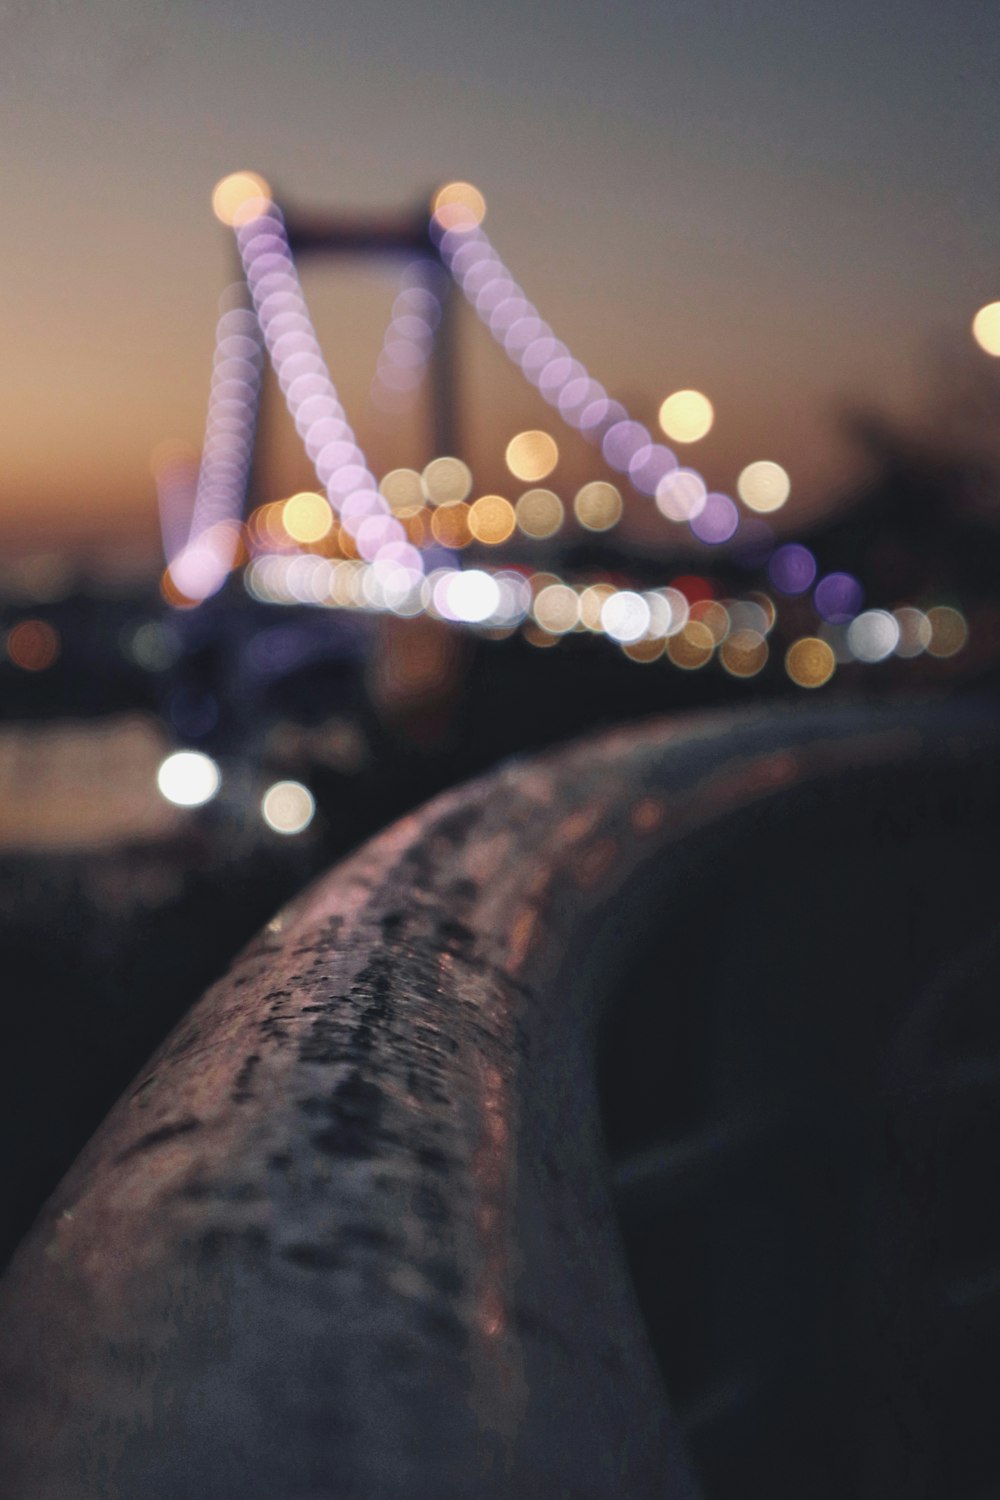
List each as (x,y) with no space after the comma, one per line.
(536,636)
(403,490)
(598,506)
(592,601)
(557,608)
(532,455)
(691,647)
(686,416)
(713,614)
(450,524)
(645,650)
(240,197)
(764,486)
(288,807)
(810,662)
(986,328)
(415,524)
(949,632)
(744,654)
(307,516)
(446,480)
(458,205)
(491,519)
(539,581)
(539,513)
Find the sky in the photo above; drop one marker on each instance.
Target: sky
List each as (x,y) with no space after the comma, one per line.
(787,205)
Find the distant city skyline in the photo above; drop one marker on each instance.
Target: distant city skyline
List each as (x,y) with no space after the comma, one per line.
(785,207)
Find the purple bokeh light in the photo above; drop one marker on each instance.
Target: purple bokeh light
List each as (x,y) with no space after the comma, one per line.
(649,465)
(792,568)
(622,442)
(838,597)
(716,521)
(281,312)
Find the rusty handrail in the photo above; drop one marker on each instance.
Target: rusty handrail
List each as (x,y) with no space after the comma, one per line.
(350,1232)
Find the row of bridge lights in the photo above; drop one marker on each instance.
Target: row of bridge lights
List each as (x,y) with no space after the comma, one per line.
(433,507)
(680,623)
(685,416)
(435,504)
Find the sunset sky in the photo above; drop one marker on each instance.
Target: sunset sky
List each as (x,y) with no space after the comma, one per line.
(788,205)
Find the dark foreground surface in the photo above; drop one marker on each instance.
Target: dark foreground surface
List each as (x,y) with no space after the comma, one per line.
(623,1123)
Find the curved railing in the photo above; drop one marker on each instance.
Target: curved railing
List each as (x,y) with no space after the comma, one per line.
(354,1231)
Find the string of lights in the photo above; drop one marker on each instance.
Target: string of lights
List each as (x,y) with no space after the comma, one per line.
(199,568)
(351,489)
(409,337)
(395,546)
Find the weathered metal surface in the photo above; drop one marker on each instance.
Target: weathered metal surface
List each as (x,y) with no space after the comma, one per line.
(350,1233)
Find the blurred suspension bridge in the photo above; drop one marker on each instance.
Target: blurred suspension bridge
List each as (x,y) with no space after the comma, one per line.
(397,543)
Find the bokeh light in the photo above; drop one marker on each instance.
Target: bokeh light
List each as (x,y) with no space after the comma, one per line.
(450,524)
(239,197)
(33,645)
(748,614)
(307,516)
(409,337)
(540,513)
(717,520)
(491,519)
(713,614)
(744,653)
(914,631)
(536,636)
(810,662)
(622,442)
(764,486)
(686,416)
(458,206)
(556,608)
(154,646)
(470,597)
(949,630)
(765,604)
(649,648)
(288,807)
(597,506)
(838,597)
(404,491)
(281,311)
(680,609)
(446,480)
(873,635)
(625,616)
(681,495)
(592,601)
(986,328)
(692,647)
(792,568)
(188,778)
(532,456)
